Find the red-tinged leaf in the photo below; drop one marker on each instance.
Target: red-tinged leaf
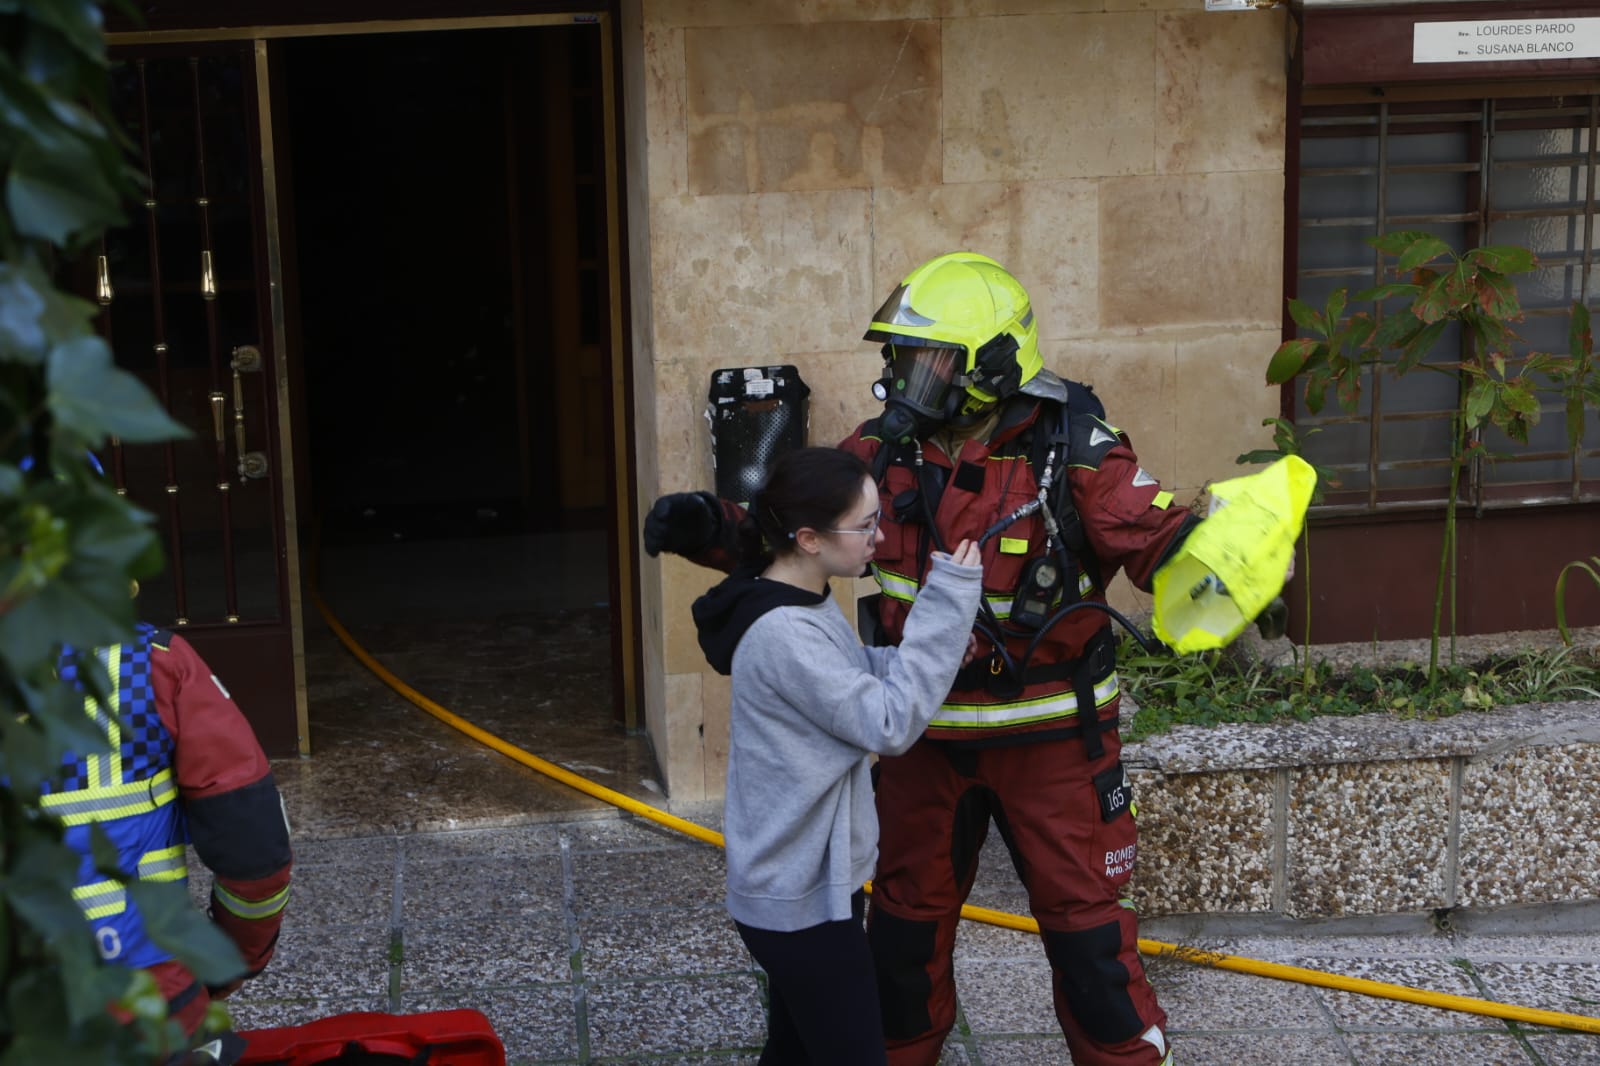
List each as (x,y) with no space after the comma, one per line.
(1350,387)
(1493,335)
(1317,389)
(1360,331)
(1397,328)
(1480,401)
(1290,358)
(1337,300)
(1417,348)
(1383,292)
(1496,295)
(1434,303)
(1521,399)
(1306,317)
(1580,342)
(1516,427)
(1498,361)
(1423,251)
(1505,258)
(1460,285)
(1398,242)
(1575,420)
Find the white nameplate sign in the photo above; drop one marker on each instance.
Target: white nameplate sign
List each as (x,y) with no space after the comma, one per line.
(1505,40)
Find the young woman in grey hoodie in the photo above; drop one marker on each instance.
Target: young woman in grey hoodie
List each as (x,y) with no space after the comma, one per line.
(810,705)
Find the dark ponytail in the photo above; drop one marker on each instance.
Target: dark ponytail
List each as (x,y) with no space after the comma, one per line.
(807,487)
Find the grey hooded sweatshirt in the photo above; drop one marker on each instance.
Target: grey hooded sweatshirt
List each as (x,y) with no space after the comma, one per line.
(810,703)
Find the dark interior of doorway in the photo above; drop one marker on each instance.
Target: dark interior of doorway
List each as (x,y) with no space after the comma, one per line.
(431,283)
(427,285)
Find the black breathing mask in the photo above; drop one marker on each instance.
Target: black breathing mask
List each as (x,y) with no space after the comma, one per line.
(922,388)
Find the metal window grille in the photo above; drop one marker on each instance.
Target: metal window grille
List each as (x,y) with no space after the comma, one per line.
(1518,171)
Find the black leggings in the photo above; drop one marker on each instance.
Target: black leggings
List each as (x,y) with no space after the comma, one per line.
(824,993)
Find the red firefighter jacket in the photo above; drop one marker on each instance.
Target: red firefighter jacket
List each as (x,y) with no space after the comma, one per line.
(1128,521)
(235,816)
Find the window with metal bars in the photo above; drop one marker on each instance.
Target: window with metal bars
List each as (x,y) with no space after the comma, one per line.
(1495,171)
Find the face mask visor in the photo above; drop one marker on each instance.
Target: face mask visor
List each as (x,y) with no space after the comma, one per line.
(923,378)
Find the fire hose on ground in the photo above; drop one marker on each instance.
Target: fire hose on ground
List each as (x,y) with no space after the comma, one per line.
(1201,957)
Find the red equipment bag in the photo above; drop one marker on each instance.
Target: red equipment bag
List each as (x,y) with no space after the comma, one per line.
(436,1038)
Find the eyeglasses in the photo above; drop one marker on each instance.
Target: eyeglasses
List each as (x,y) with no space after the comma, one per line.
(869,529)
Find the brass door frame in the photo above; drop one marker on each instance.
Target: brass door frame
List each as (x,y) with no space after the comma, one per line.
(623,509)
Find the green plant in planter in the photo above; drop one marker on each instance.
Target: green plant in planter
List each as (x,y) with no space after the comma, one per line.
(69,547)
(1592,568)
(1499,386)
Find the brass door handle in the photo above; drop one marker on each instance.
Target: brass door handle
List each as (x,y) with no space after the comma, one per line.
(246,360)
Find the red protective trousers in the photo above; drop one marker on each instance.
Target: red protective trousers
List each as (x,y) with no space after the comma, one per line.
(935,804)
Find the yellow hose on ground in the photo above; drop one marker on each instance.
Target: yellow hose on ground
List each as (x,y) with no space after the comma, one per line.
(1214,959)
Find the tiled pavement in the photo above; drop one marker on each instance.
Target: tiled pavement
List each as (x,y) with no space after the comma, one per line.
(433,873)
(603,940)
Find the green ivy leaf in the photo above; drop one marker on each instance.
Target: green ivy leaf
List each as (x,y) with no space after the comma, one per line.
(78,24)
(62,195)
(93,398)
(91,611)
(34,315)
(175,925)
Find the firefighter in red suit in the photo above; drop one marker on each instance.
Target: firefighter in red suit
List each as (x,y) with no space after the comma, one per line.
(973,426)
(184,766)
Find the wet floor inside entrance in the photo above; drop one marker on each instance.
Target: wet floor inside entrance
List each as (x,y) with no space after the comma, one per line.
(511,634)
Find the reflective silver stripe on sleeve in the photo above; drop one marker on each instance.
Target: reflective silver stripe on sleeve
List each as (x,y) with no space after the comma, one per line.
(251,909)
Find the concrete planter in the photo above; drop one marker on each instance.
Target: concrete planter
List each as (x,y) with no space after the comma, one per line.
(1370,815)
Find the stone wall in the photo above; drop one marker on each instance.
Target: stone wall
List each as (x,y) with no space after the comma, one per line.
(789,161)
(1370,815)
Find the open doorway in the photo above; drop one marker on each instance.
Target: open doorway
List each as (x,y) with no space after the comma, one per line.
(446,292)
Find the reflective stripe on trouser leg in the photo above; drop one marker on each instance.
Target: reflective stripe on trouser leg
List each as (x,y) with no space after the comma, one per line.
(932,824)
(1076,866)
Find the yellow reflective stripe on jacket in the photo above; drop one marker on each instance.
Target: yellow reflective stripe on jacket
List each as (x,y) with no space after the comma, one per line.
(1020,712)
(105,802)
(249,908)
(167,864)
(895,586)
(100,899)
(902,588)
(106,797)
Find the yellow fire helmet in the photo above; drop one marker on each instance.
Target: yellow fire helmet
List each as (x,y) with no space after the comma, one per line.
(968,301)
(1232,565)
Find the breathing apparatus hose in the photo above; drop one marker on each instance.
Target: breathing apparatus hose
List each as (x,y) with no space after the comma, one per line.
(1153,948)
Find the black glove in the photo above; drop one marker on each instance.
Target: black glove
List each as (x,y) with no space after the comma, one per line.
(682,523)
(1273,621)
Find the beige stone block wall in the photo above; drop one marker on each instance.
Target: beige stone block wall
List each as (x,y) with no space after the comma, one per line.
(794,158)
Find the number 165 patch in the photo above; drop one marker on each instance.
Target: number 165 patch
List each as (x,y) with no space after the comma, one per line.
(1115,792)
